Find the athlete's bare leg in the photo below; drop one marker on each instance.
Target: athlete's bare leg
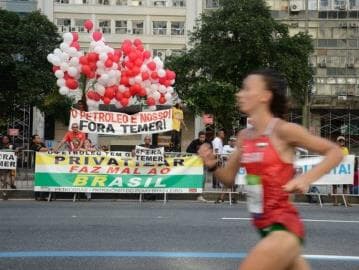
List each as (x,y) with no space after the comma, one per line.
(278,251)
(299,264)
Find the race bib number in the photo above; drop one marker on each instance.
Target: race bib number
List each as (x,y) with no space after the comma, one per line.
(254,190)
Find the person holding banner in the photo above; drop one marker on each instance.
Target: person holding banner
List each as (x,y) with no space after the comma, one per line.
(177,121)
(266,150)
(70,136)
(345,151)
(8,175)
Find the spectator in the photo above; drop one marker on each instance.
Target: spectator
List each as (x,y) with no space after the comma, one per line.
(345,151)
(105,148)
(147,142)
(70,135)
(193,148)
(7,176)
(81,105)
(88,146)
(196,143)
(227,150)
(38,146)
(230,147)
(75,144)
(355,187)
(217,145)
(177,120)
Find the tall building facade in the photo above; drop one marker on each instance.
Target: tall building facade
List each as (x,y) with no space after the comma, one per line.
(334,27)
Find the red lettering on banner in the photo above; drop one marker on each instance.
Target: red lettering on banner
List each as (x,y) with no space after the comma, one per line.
(136,171)
(73,168)
(96,169)
(152,171)
(133,119)
(126,170)
(165,170)
(83,170)
(113,169)
(74,113)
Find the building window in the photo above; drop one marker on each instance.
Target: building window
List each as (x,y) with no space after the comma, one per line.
(159,28)
(353,43)
(136,3)
(79,25)
(121,27)
(159,3)
(62,1)
(354,4)
(177,52)
(105,26)
(212,3)
(121,2)
(103,2)
(137,27)
(179,3)
(63,25)
(177,28)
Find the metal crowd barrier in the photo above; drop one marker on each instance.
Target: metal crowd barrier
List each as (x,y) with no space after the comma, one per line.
(26,169)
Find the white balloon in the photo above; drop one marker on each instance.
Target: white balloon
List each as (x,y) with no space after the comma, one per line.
(122,88)
(154,87)
(64,90)
(61,82)
(144,68)
(111,81)
(100,64)
(172,82)
(158,62)
(101,71)
(115,66)
(64,66)
(170,89)
(72,71)
(131,81)
(64,46)
(64,56)
(148,91)
(103,56)
(168,96)
(74,61)
(147,83)
(161,73)
(138,79)
(67,37)
(50,57)
(93,44)
(162,89)
(59,74)
(99,88)
(56,60)
(151,108)
(57,52)
(104,77)
(72,51)
(156,95)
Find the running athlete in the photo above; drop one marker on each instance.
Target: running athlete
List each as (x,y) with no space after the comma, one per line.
(266,150)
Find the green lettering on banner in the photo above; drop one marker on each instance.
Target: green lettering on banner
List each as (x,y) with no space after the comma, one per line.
(117,181)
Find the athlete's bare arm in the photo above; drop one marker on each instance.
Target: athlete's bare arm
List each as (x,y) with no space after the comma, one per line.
(298,136)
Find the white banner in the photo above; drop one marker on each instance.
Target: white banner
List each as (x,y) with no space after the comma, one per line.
(112,123)
(341,174)
(8,161)
(146,155)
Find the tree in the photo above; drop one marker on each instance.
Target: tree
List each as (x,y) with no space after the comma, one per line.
(227,44)
(25,74)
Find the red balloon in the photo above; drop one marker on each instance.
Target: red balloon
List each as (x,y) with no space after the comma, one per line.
(106,100)
(55,68)
(162,100)
(83,60)
(137,42)
(134,89)
(162,80)
(142,92)
(88,25)
(126,48)
(154,75)
(67,76)
(93,66)
(135,71)
(129,65)
(167,83)
(85,69)
(126,94)
(150,101)
(132,56)
(170,75)
(140,48)
(71,83)
(124,80)
(110,56)
(151,65)
(108,63)
(76,45)
(119,96)
(109,93)
(124,102)
(145,76)
(91,75)
(139,62)
(75,36)
(96,35)
(146,54)
(92,57)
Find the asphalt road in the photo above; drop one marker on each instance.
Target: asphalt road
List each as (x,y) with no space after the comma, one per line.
(179,235)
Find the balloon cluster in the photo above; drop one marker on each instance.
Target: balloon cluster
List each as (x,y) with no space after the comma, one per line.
(121,76)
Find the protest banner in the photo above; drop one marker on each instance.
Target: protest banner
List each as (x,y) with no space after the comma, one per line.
(7,160)
(113,173)
(112,123)
(340,175)
(149,155)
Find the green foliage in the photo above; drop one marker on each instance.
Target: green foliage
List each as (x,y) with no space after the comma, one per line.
(227,44)
(26,75)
